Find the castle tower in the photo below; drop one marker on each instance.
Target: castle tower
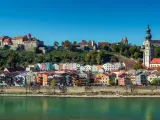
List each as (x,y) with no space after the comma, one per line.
(28,36)
(148,50)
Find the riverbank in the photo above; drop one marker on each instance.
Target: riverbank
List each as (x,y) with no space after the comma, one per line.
(81,96)
(77,92)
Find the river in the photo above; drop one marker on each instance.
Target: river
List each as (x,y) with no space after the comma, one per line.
(49,108)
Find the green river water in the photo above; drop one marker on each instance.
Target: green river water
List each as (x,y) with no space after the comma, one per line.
(48,108)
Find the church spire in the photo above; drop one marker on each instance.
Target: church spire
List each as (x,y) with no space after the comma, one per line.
(148,34)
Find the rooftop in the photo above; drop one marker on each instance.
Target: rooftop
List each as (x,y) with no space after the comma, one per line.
(155,61)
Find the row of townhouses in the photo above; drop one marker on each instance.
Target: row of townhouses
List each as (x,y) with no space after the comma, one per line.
(75,66)
(74,78)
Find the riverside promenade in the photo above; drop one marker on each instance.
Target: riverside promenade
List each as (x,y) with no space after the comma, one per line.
(98,91)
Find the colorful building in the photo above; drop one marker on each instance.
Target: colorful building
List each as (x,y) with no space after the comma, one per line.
(141,78)
(102,79)
(123,79)
(42,79)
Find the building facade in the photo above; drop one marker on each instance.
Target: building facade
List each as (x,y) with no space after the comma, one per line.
(26,41)
(148,45)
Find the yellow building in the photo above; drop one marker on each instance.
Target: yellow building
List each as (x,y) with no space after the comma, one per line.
(102,79)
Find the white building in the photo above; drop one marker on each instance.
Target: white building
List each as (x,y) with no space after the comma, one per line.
(88,67)
(148,51)
(113,66)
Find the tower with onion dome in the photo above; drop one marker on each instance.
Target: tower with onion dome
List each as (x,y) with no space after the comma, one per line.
(148,49)
(148,33)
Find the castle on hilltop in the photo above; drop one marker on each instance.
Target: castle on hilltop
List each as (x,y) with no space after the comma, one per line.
(26,41)
(148,53)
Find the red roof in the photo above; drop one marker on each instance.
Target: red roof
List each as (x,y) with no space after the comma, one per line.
(115,70)
(155,61)
(17,38)
(102,43)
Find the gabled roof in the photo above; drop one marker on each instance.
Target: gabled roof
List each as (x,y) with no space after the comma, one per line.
(18,38)
(155,61)
(14,69)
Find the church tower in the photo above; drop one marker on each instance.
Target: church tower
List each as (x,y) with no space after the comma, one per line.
(148,49)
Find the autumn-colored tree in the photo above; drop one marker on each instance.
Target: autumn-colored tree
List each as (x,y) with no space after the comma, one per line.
(66,44)
(137,66)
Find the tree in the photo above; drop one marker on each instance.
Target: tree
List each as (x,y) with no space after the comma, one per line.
(115,48)
(66,44)
(55,43)
(157,52)
(53,85)
(113,59)
(12,59)
(133,49)
(93,60)
(74,43)
(98,58)
(137,66)
(136,55)
(6,47)
(126,53)
(155,82)
(88,57)
(105,47)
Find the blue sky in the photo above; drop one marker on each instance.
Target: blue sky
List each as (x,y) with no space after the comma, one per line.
(99,20)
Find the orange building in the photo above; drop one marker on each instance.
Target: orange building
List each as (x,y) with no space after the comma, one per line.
(42,78)
(102,78)
(99,67)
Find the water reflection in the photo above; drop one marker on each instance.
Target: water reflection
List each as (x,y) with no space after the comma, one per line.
(18,108)
(149,112)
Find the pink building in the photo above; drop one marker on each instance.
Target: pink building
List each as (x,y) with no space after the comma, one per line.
(123,79)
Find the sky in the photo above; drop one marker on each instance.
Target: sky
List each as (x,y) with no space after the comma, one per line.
(99,20)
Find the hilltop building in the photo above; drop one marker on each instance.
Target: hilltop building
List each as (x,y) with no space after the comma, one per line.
(148,53)
(26,42)
(124,41)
